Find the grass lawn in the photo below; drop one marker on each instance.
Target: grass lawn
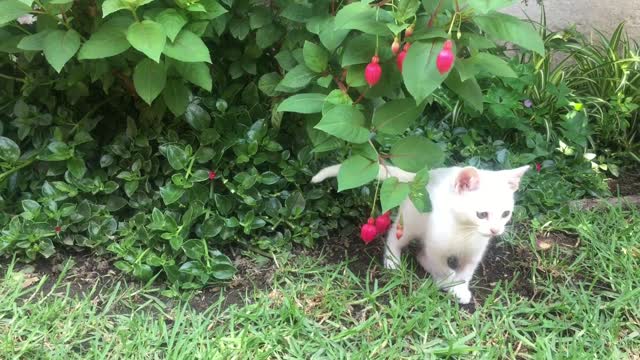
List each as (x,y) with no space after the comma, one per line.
(577,299)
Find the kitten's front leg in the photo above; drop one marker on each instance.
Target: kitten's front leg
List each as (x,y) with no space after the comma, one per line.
(393,247)
(465,273)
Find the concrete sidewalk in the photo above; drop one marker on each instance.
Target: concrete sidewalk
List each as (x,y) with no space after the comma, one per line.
(603,15)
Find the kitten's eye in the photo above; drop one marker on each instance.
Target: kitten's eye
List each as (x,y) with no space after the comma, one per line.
(506,213)
(482,215)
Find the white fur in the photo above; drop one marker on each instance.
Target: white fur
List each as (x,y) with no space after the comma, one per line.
(453,227)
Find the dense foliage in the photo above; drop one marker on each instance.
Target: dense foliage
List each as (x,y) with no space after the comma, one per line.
(161,132)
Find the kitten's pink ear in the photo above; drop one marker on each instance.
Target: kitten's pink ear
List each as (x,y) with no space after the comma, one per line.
(468,180)
(514,176)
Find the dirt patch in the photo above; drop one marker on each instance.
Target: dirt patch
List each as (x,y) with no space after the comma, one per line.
(627,184)
(500,263)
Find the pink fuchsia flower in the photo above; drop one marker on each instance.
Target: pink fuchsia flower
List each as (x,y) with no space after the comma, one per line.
(27,19)
(368,231)
(538,167)
(212,175)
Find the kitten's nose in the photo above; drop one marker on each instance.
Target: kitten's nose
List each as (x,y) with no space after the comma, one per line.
(494,231)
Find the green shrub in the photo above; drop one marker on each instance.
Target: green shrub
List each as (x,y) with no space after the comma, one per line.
(116,113)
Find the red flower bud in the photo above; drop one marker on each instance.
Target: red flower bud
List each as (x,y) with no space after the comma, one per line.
(373,72)
(409,31)
(212,174)
(445,58)
(58,229)
(383,222)
(395,46)
(538,167)
(400,59)
(368,231)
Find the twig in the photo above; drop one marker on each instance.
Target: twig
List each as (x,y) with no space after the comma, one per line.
(433,15)
(360,97)
(340,84)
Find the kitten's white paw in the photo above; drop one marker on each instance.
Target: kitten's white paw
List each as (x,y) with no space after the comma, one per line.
(462,293)
(317,178)
(390,263)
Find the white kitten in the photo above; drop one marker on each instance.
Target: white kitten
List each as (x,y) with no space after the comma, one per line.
(470,206)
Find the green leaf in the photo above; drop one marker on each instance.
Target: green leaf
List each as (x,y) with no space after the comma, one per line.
(9,150)
(395,116)
(208,136)
(509,28)
(420,74)
(315,57)
(485,62)
(176,156)
(295,203)
(170,193)
(147,37)
(269,178)
(485,6)
(393,193)
(109,40)
(259,17)
(418,191)
(223,271)
(60,46)
(268,35)
(468,90)
(331,37)
(406,9)
(11,10)
(239,28)
(31,209)
(194,249)
(303,103)
(430,5)
(115,203)
(111,6)
(212,8)
(414,153)
(345,122)
(76,167)
(268,83)
(357,171)
(149,79)
(34,42)
(196,73)
(187,47)
(176,96)
(197,117)
(299,77)
(172,21)
(360,16)
(360,49)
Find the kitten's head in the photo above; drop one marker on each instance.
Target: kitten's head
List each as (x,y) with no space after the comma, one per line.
(486,198)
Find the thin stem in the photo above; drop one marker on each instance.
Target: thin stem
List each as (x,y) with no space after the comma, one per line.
(453,20)
(360,97)
(188,175)
(135,16)
(7,173)
(8,77)
(375,199)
